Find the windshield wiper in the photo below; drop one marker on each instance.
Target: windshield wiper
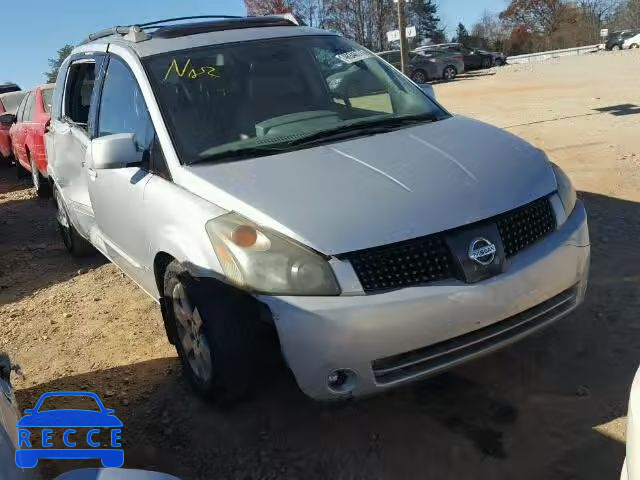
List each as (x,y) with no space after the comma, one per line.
(350,130)
(239,154)
(370,127)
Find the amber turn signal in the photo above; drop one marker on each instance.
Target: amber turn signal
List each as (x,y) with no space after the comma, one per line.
(244,236)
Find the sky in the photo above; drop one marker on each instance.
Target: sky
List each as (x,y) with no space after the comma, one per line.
(34,34)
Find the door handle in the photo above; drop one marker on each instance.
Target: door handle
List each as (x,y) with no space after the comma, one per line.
(92,173)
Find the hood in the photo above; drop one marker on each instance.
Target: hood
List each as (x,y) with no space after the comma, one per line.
(380,189)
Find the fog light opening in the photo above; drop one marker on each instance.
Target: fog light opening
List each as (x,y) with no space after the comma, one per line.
(341,380)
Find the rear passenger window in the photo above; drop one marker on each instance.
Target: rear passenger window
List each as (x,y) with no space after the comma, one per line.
(20,111)
(78,92)
(28,110)
(122,107)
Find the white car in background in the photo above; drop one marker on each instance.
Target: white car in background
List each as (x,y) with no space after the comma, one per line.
(631,42)
(631,467)
(9,415)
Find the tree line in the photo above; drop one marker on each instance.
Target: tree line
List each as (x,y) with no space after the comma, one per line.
(528,26)
(365,21)
(524,26)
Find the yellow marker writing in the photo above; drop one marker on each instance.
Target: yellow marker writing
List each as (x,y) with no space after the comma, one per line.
(192,73)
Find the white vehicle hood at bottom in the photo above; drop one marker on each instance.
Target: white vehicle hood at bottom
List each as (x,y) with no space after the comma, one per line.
(379,189)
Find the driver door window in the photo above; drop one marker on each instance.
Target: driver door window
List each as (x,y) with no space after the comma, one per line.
(122,107)
(123,110)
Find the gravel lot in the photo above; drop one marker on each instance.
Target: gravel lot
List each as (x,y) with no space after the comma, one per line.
(549,407)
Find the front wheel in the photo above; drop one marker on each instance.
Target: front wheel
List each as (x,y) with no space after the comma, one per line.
(634,45)
(225,349)
(486,63)
(615,48)
(75,244)
(40,184)
(450,73)
(419,76)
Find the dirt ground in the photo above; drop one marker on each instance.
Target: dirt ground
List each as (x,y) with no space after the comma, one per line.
(551,406)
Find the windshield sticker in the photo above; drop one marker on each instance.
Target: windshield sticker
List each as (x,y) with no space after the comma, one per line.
(189,71)
(353,56)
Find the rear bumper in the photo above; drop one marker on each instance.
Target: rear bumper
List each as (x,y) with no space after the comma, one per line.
(393,338)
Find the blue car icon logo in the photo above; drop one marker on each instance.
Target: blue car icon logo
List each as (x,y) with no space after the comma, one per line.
(34,445)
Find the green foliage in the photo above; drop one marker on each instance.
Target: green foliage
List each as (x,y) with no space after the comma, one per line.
(462,35)
(55,62)
(423,14)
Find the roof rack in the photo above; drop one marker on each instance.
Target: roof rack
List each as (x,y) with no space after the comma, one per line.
(168,28)
(177,19)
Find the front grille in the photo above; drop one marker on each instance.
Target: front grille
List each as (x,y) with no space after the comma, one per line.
(422,260)
(526,225)
(435,358)
(428,259)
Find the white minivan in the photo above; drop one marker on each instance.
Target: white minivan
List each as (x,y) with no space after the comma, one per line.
(278,188)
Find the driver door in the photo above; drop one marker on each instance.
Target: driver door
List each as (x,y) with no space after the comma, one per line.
(117,195)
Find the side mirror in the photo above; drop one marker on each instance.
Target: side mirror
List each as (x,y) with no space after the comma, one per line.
(114,151)
(7,119)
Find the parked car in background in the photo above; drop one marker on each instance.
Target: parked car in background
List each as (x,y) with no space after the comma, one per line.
(631,466)
(631,42)
(27,136)
(373,240)
(10,414)
(616,39)
(453,63)
(473,58)
(9,103)
(499,58)
(421,68)
(8,87)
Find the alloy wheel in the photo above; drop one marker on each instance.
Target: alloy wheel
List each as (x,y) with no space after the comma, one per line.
(449,73)
(191,335)
(419,77)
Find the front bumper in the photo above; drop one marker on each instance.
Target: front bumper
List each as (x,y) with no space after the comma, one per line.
(389,339)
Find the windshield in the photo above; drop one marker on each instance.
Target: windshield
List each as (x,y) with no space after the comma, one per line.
(256,95)
(11,101)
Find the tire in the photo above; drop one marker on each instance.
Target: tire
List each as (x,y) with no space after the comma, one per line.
(6,161)
(615,48)
(21,172)
(75,243)
(499,62)
(634,45)
(225,349)
(450,73)
(419,76)
(486,63)
(40,184)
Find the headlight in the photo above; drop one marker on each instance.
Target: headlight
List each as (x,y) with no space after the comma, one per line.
(264,261)
(565,189)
